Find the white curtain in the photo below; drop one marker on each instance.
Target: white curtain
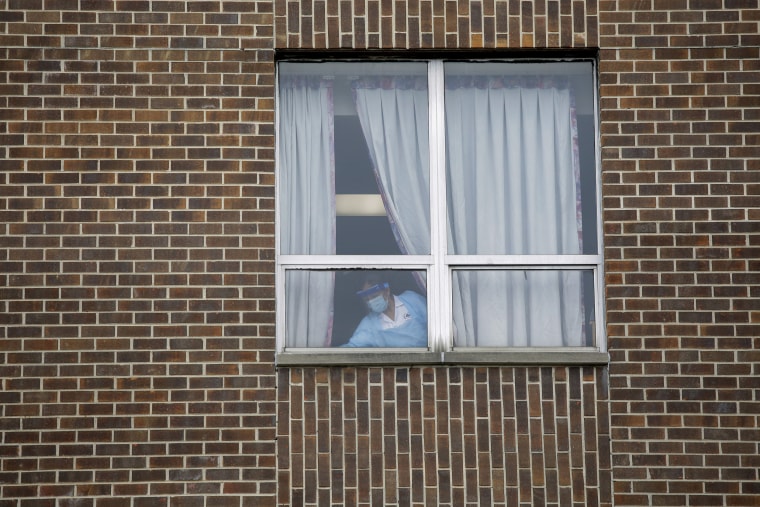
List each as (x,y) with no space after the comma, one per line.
(307,204)
(512,168)
(394,117)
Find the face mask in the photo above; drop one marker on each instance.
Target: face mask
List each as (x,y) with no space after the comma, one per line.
(378,304)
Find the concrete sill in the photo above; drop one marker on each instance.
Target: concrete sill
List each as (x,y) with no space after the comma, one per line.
(412,357)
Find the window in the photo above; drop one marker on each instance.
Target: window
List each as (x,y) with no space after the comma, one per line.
(461,193)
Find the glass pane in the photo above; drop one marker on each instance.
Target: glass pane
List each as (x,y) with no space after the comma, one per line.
(541,308)
(353,158)
(520,158)
(356,308)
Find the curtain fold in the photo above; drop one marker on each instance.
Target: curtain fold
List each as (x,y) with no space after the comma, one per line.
(307,206)
(512,169)
(393,112)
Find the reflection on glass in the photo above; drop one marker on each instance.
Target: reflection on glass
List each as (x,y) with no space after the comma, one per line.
(356,308)
(542,308)
(519,168)
(354,129)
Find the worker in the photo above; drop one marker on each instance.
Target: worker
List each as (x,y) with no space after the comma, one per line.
(392,320)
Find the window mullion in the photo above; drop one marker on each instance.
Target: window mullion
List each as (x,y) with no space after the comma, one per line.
(440,289)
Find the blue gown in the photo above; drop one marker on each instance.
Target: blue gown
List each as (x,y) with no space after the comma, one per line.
(412,333)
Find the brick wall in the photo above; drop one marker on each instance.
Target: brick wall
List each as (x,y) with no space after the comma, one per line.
(436,24)
(443,436)
(136,254)
(680,88)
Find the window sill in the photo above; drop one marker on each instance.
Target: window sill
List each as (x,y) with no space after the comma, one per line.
(357,357)
(528,357)
(475,357)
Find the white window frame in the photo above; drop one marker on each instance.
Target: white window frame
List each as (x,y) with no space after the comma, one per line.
(439,266)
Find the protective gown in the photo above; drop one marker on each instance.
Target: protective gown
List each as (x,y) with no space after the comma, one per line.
(412,333)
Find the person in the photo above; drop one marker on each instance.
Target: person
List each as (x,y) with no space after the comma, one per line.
(392,320)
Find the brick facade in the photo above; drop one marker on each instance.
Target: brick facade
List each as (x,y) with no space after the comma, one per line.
(443,436)
(680,112)
(137,269)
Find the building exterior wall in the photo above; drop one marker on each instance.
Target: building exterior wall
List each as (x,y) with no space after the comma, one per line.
(443,436)
(680,117)
(138,253)
(137,279)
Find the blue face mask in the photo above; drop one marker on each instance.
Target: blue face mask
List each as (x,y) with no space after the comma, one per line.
(378,304)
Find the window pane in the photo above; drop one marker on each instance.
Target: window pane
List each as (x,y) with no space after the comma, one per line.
(353,158)
(356,308)
(541,308)
(520,158)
